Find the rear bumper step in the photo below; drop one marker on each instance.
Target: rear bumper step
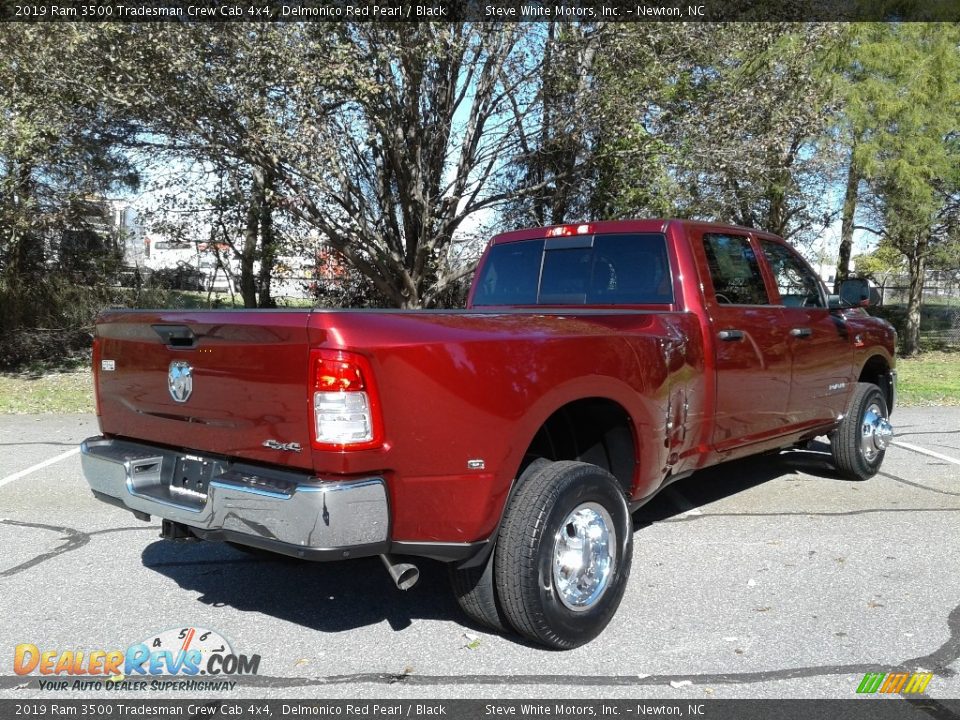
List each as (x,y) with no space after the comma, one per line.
(287,512)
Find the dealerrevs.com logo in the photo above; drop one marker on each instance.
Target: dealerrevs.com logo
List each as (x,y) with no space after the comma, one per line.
(187,653)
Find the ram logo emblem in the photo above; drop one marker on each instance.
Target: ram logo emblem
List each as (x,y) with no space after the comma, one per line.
(180,380)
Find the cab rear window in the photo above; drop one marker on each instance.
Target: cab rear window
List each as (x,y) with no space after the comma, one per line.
(614,269)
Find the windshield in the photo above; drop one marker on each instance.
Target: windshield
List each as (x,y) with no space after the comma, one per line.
(621,269)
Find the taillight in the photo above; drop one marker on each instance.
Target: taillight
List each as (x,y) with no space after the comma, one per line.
(343,402)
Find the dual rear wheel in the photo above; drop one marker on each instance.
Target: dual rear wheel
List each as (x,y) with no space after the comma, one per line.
(562,558)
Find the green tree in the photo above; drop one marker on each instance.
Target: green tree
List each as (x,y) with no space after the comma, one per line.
(758,106)
(558,130)
(640,72)
(60,148)
(714,121)
(902,113)
(883,265)
(219,102)
(849,128)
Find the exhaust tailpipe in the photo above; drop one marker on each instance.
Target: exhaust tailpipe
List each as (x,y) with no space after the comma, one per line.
(404,574)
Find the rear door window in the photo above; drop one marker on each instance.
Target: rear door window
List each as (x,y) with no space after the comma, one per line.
(734,270)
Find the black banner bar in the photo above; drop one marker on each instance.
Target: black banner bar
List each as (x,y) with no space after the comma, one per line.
(478,10)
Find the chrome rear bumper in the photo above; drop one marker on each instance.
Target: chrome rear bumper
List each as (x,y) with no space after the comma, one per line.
(288,512)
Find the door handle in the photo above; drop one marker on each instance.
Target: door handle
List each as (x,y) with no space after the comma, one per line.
(731,335)
(801,332)
(175,335)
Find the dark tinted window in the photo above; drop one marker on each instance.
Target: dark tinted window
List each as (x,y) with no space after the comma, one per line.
(510,275)
(566,276)
(734,270)
(623,269)
(798,286)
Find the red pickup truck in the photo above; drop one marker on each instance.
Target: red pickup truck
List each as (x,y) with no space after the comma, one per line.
(594,365)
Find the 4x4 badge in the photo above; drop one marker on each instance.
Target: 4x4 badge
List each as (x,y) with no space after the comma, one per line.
(180,380)
(277,445)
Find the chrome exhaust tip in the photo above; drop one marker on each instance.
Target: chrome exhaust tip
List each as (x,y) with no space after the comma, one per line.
(405,575)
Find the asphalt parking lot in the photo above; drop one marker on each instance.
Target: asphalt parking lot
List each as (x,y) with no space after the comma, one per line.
(767,578)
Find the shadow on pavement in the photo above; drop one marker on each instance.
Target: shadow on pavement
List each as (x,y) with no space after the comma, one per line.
(721,481)
(329,597)
(340,596)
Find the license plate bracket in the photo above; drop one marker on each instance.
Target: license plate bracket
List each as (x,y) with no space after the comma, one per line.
(191,476)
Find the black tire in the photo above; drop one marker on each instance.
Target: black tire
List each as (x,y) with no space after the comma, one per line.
(847,441)
(524,576)
(474,588)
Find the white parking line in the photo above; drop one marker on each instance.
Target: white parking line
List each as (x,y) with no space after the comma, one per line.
(924,451)
(39,466)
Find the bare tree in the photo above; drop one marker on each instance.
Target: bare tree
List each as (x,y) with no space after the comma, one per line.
(418,145)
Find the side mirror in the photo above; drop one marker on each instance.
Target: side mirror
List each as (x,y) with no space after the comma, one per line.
(855,292)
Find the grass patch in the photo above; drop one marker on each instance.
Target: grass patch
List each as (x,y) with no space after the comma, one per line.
(53,392)
(932,378)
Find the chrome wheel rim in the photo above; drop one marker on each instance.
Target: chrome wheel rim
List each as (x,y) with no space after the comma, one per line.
(876,432)
(584,556)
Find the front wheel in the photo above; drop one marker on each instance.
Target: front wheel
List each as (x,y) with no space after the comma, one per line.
(859,443)
(563,554)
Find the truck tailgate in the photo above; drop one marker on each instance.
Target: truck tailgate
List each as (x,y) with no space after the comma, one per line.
(248,374)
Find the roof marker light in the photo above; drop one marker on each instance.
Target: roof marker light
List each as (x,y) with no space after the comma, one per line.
(569,230)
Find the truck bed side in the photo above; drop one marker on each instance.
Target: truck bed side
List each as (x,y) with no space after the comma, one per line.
(461,387)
